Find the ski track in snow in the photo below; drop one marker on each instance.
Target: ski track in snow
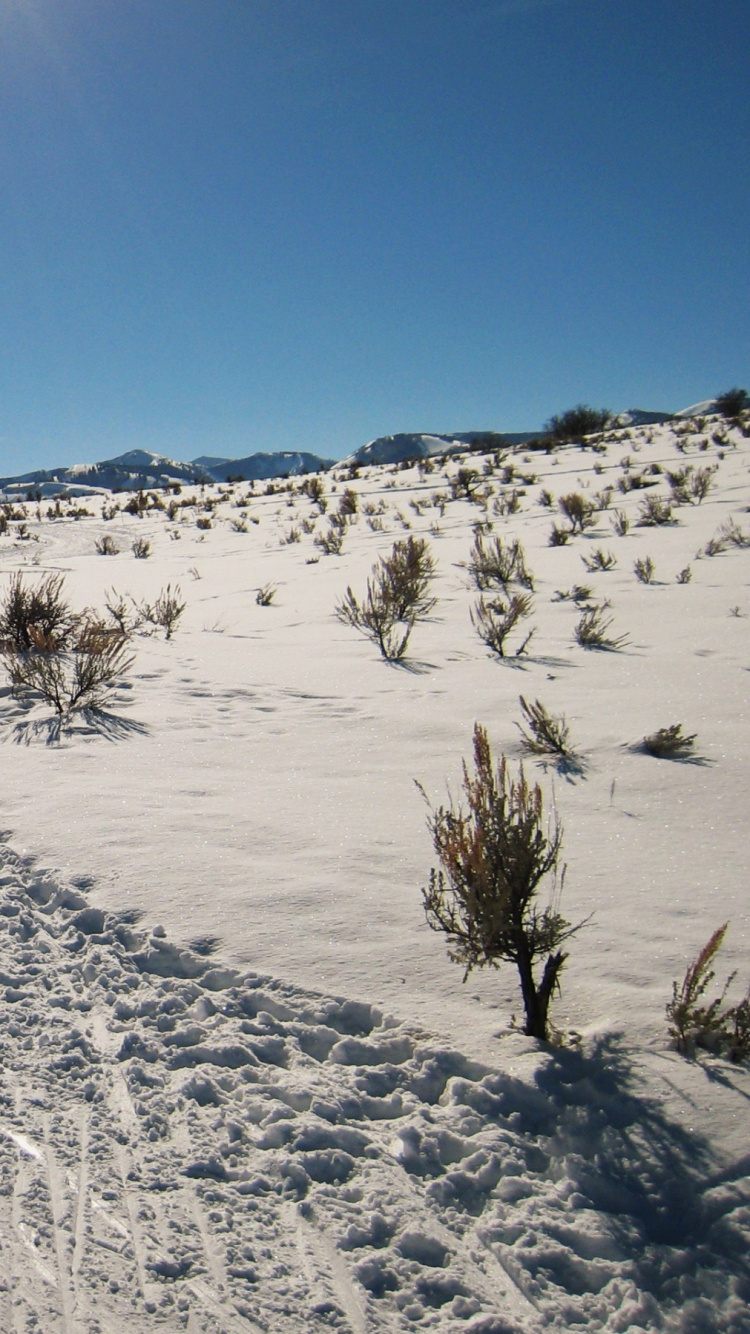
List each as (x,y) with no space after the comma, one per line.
(188,1148)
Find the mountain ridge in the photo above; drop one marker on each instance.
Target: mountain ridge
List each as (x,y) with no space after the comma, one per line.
(139,469)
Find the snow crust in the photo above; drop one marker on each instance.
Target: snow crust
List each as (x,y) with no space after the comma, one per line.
(242,1086)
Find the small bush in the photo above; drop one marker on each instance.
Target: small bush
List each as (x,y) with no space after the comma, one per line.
(654,512)
(464,483)
(700,483)
(494,621)
(125,613)
(166,611)
(265,595)
(559,537)
(644,570)
(78,676)
(579,511)
(685,575)
(28,613)
(599,560)
(731,534)
(680,484)
(592,630)
(331,542)
(106,546)
(578,593)
(620,523)
(546,735)
(714,546)
(397,596)
(493,858)
(493,564)
(141,549)
(669,743)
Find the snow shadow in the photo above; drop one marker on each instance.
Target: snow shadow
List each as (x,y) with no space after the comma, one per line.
(628,1159)
(89,722)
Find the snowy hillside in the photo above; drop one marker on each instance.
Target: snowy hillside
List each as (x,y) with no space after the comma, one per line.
(244,1088)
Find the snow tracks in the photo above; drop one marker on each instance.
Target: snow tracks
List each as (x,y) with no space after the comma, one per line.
(184,1148)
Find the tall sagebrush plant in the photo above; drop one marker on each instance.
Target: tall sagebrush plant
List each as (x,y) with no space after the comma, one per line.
(494,855)
(396,597)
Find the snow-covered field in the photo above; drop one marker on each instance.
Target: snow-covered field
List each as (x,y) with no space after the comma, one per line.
(243,1087)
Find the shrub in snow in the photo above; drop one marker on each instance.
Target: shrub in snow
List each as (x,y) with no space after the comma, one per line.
(265,595)
(546,735)
(76,673)
(695,1023)
(106,546)
(494,620)
(559,537)
(644,570)
(464,483)
(493,859)
(396,597)
(27,612)
(599,560)
(654,512)
(579,511)
(492,563)
(669,743)
(592,630)
(330,543)
(166,611)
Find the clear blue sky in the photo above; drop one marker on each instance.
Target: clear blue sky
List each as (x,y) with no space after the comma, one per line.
(240,225)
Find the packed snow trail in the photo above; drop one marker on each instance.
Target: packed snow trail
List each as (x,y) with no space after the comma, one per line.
(186,1148)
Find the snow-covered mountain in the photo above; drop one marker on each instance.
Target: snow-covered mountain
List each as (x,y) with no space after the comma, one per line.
(259,467)
(139,469)
(132,471)
(419,445)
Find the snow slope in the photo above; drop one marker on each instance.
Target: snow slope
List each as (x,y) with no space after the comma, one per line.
(311,1123)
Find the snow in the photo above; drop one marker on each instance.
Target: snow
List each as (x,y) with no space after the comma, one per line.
(242,1085)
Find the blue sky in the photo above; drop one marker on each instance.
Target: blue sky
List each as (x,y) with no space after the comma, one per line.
(240,225)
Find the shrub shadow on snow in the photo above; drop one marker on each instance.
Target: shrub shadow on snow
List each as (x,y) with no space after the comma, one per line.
(702,761)
(628,1157)
(570,767)
(89,722)
(412,665)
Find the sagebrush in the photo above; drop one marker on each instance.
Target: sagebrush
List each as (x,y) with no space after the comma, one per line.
(494,855)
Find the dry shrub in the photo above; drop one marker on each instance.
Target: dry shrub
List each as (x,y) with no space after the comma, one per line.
(668,743)
(26,612)
(492,564)
(694,1023)
(79,674)
(493,858)
(494,620)
(592,630)
(547,735)
(396,597)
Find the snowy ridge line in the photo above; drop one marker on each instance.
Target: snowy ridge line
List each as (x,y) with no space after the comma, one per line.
(185,1147)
